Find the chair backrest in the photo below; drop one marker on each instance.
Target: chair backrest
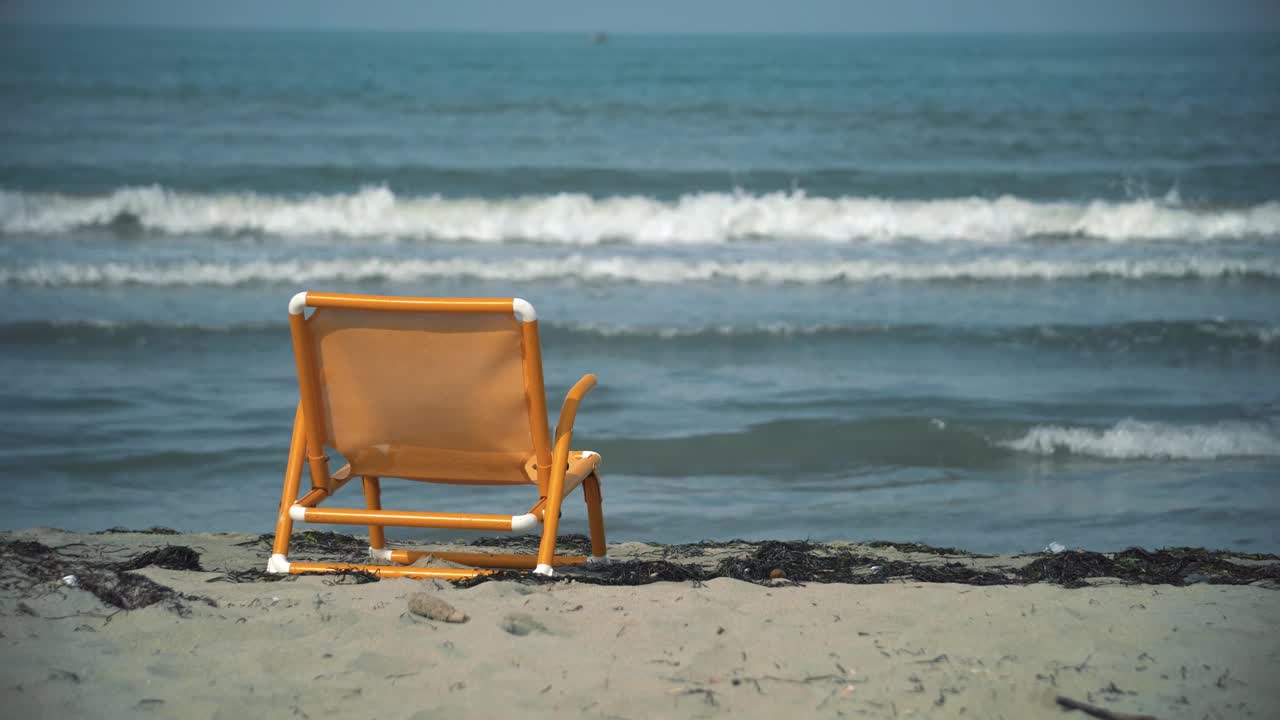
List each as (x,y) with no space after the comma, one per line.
(447,390)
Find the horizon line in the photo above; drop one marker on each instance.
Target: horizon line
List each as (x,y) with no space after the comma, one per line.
(59,24)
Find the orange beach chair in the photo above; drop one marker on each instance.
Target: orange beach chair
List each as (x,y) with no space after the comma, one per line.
(439,390)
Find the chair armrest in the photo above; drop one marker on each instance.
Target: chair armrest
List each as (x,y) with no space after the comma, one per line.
(569,411)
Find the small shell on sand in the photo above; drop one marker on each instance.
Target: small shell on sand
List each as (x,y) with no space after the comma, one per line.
(430,606)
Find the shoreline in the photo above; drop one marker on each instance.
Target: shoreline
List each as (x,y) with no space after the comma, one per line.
(229,642)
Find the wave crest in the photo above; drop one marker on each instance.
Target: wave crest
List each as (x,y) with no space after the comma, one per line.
(576,219)
(1135,439)
(654,271)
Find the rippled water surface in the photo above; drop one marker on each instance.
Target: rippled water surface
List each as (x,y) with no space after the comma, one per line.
(980,291)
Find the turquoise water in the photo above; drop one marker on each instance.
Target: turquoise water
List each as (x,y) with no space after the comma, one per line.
(987,291)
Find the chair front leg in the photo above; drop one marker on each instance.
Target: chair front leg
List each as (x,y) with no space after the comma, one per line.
(292,479)
(551,511)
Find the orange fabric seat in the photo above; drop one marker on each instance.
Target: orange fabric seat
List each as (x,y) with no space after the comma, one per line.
(439,390)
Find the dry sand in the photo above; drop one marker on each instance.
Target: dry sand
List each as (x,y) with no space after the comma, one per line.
(309,648)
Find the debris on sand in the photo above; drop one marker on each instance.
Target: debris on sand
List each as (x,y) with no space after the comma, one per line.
(27,563)
(807,562)
(318,545)
(432,607)
(169,557)
(1169,566)
(571,544)
(1098,712)
(767,562)
(774,562)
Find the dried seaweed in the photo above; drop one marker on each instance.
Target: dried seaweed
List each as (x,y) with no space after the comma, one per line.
(248,575)
(153,530)
(1178,566)
(26,563)
(796,561)
(523,577)
(572,544)
(170,557)
(1236,554)
(703,548)
(1069,569)
(769,562)
(320,545)
(643,572)
(925,549)
(804,562)
(958,573)
(263,540)
(126,590)
(1169,566)
(351,576)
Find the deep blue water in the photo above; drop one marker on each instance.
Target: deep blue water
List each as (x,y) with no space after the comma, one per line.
(987,291)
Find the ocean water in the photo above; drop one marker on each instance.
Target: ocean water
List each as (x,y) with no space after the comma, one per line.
(985,291)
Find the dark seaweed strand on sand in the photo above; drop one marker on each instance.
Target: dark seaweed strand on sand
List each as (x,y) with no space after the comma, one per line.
(802,562)
(320,545)
(924,549)
(26,563)
(628,573)
(1169,566)
(703,548)
(170,557)
(350,576)
(571,544)
(769,562)
(250,575)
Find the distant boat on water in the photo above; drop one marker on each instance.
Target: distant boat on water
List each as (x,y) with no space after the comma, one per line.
(599,38)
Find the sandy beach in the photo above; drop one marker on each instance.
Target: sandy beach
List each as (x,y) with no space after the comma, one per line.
(311,647)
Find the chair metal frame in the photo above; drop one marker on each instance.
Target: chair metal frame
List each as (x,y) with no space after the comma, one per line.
(556,470)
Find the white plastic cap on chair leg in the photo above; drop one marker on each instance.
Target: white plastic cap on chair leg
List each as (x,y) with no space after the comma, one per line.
(278,565)
(521,523)
(298,303)
(298,512)
(383,554)
(543,569)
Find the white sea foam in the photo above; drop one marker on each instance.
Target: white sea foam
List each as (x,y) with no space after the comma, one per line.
(651,270)
(700,218)
(1134,439)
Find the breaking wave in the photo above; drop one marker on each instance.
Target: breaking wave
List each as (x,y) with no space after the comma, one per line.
(651,270)
(699,218)
(1198,336)
(1134,439)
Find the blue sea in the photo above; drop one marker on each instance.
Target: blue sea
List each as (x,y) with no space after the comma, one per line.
(983,291)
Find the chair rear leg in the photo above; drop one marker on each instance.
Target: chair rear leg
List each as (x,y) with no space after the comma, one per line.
(595,517)
(377,537)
